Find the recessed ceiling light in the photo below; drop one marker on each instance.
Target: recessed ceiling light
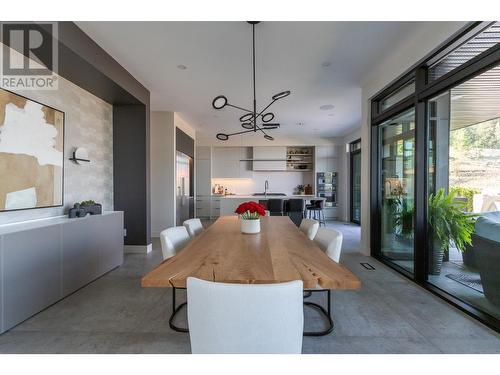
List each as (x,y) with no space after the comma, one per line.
(300,124)
(181,67)
(327,107)
(326,64)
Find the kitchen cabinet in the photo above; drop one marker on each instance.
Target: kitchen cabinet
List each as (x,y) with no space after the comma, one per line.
(226,162)
(203,206)
(203,177)
(327,158)
(269,152)
(215,207)
(203,171)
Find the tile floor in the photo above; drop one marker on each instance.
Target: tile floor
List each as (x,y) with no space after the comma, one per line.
(388,315)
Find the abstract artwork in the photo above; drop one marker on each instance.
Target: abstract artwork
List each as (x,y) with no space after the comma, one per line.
(31,153)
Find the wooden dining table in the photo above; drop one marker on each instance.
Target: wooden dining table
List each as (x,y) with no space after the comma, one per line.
(279,253)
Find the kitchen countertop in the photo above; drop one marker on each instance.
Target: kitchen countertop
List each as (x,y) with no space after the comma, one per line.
(267,197)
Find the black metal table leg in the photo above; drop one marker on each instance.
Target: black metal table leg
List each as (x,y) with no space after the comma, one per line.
(326,313)
(175,310)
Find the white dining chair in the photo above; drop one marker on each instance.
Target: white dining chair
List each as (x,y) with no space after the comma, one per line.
(309,227)
(330,241)
(173,240)
(245,318)
(193,226)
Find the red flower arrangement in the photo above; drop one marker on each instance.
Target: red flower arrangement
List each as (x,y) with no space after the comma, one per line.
(251,210)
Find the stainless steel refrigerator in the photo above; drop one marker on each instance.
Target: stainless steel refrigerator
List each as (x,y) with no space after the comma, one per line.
(184,193)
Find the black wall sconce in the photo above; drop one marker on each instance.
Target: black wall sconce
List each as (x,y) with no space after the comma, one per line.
(80,156)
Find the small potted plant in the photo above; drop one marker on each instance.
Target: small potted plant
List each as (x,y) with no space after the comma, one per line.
(448,223)
(249,214)
(91,207)
(300,189)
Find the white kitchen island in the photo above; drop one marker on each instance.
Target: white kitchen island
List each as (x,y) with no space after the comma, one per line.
(229,203)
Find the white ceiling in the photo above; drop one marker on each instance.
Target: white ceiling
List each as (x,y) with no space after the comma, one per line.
(289,57)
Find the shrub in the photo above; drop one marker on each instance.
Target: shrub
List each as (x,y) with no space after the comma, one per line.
(465,192)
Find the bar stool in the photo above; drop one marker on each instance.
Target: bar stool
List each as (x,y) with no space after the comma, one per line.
(275,207)
(316,210)
(295,210)
(309,207)
(263,202)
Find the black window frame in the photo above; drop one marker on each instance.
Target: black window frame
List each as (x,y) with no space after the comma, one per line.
(351,178)
(424,90)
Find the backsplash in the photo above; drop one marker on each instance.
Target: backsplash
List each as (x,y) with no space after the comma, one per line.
(279,182)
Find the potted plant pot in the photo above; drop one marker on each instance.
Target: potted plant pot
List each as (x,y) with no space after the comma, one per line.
(436,255)
(448,222)
(249,214)
(250,226)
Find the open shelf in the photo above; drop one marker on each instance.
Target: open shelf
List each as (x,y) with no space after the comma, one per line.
(300,156)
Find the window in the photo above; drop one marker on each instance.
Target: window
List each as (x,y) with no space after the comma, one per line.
(464,166)
(397,96)
(434,165)
(397,145)
(354,146)
(476,45)
(355,159)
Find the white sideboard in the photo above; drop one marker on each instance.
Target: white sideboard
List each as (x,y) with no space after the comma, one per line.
(43,261)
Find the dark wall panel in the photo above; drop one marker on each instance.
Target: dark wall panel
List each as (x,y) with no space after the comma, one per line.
(184,143)
(131,171)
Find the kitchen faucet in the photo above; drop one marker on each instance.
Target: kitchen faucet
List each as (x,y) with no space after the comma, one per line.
(266,186)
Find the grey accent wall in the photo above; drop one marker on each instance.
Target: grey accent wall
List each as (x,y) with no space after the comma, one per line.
(89,124)
(85,63)
(131,171)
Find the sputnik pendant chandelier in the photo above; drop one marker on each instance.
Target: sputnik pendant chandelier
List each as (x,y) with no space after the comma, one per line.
(251,117)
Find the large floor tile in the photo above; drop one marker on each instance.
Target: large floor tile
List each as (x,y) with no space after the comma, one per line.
(389,314)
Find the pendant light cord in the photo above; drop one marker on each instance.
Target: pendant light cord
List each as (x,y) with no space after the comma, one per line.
(254,95)
(251,114)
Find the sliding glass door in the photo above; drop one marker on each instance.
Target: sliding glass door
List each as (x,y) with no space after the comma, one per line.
(435,173)
(464,188)
(397,148)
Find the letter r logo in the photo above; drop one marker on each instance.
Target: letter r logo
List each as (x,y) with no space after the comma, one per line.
(28,49)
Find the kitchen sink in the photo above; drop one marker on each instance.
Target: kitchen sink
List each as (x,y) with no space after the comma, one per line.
(271,194)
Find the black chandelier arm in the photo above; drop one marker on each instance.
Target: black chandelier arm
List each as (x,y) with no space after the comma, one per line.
(238,133)
(243,109)
(261,112)
(259,128)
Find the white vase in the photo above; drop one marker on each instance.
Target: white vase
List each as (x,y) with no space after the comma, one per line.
(250,226)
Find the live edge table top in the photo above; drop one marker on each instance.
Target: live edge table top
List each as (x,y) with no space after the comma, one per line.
(279,253)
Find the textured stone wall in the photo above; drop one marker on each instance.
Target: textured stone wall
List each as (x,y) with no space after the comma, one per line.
(89,124)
